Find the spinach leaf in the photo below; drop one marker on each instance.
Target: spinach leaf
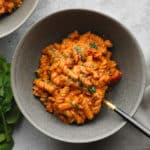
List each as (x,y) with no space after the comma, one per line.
(2,137)
(5,127)
(6,145)
(9,113)
(13,115)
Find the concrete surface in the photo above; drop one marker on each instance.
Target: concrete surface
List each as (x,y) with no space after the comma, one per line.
(134,14)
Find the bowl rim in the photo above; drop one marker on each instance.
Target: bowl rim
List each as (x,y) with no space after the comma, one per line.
(94,139)
(22,22)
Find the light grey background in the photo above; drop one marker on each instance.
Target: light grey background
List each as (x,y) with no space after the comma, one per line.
(134,14)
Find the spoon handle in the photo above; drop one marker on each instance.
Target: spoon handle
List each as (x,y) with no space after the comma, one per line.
(132,121)
(128,118)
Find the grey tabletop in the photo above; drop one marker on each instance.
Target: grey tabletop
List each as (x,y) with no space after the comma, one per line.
(134,14)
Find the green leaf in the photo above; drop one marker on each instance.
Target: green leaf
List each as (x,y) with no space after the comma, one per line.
(6,145)
(2,137)
(5,126)
(9,113)
(8,94)
(2,92)
(7,103)
(2,59)
(13,116)
(1,79)
(5,67)
(1,127)
(6,81)
(6,107)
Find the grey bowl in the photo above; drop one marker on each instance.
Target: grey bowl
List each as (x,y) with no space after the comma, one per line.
(127,94)
(10,23)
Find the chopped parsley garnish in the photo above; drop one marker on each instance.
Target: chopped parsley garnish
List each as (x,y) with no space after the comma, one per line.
(76,106)
(80,85)
(83,58)
(36,75)
(92,89)
(93,45)
(77,49)
(51,48)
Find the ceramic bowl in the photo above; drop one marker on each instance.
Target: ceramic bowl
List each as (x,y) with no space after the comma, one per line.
(11,22)
(127,94)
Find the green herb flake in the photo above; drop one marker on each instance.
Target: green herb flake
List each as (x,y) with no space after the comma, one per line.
(92,89)
(51,48)
(83,58)
(80,85)
(77,49)
(76,106)
(93,45)
(36,75)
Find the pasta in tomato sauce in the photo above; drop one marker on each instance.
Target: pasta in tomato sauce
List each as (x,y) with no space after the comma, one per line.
(74,75)
(7,6)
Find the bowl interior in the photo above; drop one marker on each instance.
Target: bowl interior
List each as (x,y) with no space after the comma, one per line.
(126,94)
(10,22)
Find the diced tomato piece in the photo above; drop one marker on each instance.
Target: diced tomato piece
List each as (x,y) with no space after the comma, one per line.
(116,76)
